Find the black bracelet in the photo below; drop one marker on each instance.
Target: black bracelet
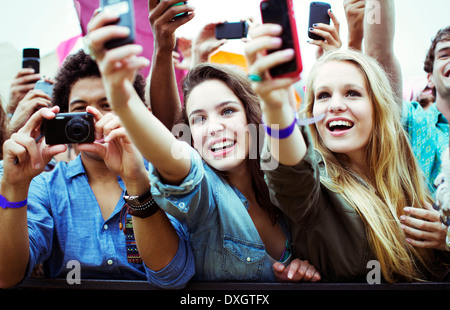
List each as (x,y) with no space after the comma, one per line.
(145,210)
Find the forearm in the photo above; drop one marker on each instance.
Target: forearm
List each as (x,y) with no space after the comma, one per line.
(14,242)
(156,239)
(163,94)
(153,139)
(288,151)
(379,35)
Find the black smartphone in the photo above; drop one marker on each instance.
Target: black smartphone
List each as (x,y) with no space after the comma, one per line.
(31,59)
(67,128)
(179,3)
(235,30)
(282,12)
(125,10)
(318,13)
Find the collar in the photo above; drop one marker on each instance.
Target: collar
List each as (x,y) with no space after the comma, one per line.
(75,167)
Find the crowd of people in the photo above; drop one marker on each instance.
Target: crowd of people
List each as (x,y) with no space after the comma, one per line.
(181,187)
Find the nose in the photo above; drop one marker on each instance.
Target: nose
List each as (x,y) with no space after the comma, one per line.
(336,104)
(214,127)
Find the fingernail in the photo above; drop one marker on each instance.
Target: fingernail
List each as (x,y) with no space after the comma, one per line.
(277,41)
(288,53)
(407,209)
(311,29)
(402,218)
(314,25)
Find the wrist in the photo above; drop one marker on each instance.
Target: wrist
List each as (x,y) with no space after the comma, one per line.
(13,193)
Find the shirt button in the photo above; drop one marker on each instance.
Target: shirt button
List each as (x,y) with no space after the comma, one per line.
(105,227)
(109,262)
(248,259)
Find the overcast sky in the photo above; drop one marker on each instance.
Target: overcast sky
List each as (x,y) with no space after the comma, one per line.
(45,23)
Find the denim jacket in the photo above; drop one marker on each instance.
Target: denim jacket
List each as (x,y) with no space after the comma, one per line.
(225,242)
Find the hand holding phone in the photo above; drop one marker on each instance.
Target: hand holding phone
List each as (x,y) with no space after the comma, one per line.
(318,13)
(125,10)
(234,30)
(282,12)
(31,59)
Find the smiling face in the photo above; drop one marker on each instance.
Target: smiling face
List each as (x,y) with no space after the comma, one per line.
(440,77)
(340,90)
(218,125)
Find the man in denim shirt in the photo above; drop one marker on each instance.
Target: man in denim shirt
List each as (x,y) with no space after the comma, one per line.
(77,211)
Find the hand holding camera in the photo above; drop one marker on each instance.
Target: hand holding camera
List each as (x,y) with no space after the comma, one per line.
(25,153)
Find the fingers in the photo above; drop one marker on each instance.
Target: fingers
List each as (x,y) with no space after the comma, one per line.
(423,228)
(34,123)
(296,271)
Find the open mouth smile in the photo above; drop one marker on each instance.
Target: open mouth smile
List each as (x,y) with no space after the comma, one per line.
(337,127)
(221,148)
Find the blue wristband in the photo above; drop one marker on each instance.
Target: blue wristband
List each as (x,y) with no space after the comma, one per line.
(282,133)
(4,203)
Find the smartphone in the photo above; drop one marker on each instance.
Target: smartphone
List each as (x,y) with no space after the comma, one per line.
(318,13)
(179,3)
(125,10)
(68,128)
(31,59)
(45,86)
(282,12)
(235,30)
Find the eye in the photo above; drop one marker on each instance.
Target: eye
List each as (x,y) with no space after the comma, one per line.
(228,111)
(323,95)
(198,119)
(353,93)
(443,54)
(105,106)
(79,108)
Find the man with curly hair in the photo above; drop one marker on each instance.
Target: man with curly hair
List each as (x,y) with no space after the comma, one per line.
(78,211)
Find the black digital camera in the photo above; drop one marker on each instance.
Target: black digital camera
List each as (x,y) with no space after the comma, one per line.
(67,128)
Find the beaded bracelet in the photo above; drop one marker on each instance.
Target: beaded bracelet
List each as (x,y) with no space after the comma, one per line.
(147,209)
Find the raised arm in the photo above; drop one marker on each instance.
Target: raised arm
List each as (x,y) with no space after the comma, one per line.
(118,67)
(24,158)
(275,94)
(379,32)
(163,94)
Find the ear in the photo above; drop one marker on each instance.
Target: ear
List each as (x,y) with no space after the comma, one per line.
(430,80)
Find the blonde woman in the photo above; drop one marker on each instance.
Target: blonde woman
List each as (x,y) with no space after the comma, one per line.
(345,197)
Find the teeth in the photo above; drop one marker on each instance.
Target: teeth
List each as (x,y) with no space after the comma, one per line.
(221,145)
(340,123)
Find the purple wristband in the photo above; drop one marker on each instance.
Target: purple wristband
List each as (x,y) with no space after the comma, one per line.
(4,203)
(282,133)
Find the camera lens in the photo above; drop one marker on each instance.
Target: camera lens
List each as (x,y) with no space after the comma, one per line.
(77,130)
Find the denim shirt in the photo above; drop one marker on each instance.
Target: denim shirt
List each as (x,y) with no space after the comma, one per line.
(225,242)
(65,223)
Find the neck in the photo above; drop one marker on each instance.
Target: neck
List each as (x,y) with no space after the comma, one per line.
(96,169)
(241,179)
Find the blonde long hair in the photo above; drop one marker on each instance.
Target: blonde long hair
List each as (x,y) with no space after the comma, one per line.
(395,179)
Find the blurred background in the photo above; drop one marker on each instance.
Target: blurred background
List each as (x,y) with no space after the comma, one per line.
(53,26)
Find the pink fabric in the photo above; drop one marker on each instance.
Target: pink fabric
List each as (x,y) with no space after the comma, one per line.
(144,35)
(64,48)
